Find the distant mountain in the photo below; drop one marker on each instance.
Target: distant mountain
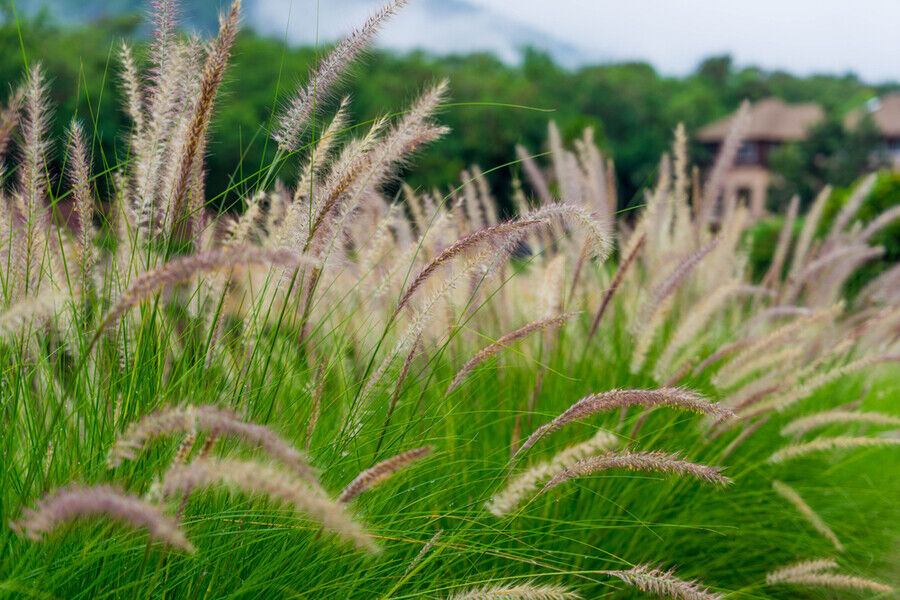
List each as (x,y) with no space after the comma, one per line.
(200,15)
(435,26)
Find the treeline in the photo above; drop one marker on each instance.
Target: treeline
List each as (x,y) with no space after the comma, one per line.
(494,106)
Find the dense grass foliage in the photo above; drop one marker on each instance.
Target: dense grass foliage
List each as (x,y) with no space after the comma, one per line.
(340,392)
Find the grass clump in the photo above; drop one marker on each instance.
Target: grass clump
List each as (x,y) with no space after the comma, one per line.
(331,318)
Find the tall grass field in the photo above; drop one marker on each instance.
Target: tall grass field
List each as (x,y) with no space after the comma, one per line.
(354,389)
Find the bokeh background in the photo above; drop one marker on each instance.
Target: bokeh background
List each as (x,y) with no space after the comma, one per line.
(632,71)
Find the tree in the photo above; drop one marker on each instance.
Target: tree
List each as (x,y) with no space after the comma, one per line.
(832,154)
(716,70)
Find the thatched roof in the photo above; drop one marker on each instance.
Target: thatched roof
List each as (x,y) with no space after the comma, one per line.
(885,113)
(771,120)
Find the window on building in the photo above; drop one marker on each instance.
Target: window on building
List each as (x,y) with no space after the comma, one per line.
(748,154)
(893,146)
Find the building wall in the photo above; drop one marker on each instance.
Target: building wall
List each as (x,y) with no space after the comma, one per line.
(749,184)
(891,149)
(749,179)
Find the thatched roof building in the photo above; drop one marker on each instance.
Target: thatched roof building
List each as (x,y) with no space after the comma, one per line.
(770,120)
(770,123)
(885,113)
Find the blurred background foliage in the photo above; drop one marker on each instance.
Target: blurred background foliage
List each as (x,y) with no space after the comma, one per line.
(494,106)
(632,108)
(763,235)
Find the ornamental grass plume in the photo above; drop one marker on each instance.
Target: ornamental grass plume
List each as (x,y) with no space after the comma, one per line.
(253,477)
(34,311)
(759,366)
(77,502)
(778,380)
(31,190)
(773,274)
(840,582)
(749,395)
(398,387)
(526,483)
(883,289)
(880,222)
(421,554)
(675,278)
(211,78)
(617,279)
(804,242)
(164,21)
(693,324)
(493,234)
(680,163)
(804,567)
(79,173)
(185,448)
(131,87)
(420,320)
(323,149)
(565,167)
(677,398)
(368,170)
(294,227)
(753,349)
(503,342)
(648,461)
(817,573)
(665,584)
(820,379)
(725,158)
(9,118)
(827,444)
(720,353)
(852,206)
(308,99)
(857,252)
(776,312)
(323,205)
(161,114)
(791,495)
(180,270)
(381,471)
(217,423)
(742,437)
(831,417)
(523,591)
(656,306)
(534,175)
(598,239)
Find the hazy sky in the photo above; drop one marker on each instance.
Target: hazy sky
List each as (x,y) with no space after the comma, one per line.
(800,35)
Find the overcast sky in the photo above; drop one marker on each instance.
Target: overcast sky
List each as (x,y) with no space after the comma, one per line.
(799,35)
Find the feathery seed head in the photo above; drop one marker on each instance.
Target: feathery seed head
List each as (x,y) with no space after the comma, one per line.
(253,477)
(818,573)
(526,483)
(504,341)
(218,423)
(654,580)
(76,502)
(381,471)
(524,591)
(677,398)
(791,495)
(655,461)
(308,99)
(829,443)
